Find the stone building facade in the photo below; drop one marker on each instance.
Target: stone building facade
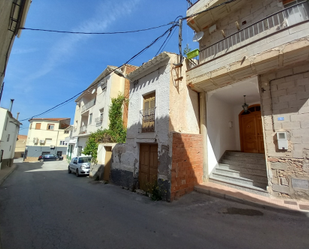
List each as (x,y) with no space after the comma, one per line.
(254,53)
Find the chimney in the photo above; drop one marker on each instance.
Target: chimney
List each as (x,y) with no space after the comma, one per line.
(12,100)
(17,115)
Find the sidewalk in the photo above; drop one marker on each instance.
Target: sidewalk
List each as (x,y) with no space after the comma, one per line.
(266,202)
(5,172)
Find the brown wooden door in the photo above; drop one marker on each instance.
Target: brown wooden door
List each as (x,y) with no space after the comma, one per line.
(148,166)
(108,160)
(251,131)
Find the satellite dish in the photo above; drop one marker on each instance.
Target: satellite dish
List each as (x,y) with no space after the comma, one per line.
(93,90)
(198,36)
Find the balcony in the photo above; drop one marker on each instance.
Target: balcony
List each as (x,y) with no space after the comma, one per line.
(83,129)
(148,120)
(98,121)
(191,2)
(88,105)
(260,42)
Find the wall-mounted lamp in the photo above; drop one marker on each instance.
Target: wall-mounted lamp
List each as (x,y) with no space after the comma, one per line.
(245,106)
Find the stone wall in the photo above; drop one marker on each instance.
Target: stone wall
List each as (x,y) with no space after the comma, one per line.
(285,108)
(187,163)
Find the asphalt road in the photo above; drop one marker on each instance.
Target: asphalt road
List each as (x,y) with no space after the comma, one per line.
(42,206)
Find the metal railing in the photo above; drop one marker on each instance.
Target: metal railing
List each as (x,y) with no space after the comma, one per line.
(148,120)
(88,105)
(191,2)
(83,129)
(272,24)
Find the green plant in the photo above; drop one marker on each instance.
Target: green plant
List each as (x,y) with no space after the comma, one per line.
(186,49)
(116,132)
(154,191)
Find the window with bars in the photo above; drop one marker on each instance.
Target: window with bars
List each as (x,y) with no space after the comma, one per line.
(148,122)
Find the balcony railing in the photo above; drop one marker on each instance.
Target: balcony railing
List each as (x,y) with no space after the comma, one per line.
(83,129)
(148,121)
(98,121)
(191,2)
(88,105)
(272,24)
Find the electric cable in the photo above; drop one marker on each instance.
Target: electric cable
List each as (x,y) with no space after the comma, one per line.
(122,32)
(95,33)
(133,57)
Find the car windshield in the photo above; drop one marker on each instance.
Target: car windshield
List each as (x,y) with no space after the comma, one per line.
(84,159)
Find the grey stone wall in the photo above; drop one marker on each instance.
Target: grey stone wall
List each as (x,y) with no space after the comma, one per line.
(285,107)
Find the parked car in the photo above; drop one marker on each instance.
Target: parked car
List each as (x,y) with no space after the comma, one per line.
(80,165)
(49,157)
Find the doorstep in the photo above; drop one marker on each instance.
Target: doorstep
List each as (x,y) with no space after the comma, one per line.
(266,202)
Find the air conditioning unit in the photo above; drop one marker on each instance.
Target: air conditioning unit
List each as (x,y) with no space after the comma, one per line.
(35,140)
(42,141)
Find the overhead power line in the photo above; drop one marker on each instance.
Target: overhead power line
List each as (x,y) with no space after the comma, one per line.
(95,33)
(127,62)
(168,31)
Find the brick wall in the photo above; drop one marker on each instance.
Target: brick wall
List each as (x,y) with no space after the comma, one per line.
(285,107)
(187,163)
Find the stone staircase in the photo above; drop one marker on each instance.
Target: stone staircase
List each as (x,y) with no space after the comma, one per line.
(244,171)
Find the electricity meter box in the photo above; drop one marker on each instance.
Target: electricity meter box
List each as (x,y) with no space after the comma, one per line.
(282,140)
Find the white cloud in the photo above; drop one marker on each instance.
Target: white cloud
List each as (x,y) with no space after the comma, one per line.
(105,15)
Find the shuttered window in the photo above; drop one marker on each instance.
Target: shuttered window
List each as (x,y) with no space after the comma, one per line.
(149,103)
(38,126)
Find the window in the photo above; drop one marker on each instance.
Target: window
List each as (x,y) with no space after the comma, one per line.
(101,114)
(8,139)
(48,141)
(1,155)
(63,143)
(38,126)
(50,126)
(6,122)
(148,122)
(66,132)
(90,118)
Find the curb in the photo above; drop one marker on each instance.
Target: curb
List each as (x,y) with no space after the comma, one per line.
(12,168)
(270,207)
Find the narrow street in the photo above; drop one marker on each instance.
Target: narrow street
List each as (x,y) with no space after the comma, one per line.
(42,206)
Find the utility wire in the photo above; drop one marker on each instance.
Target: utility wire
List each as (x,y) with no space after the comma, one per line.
(133,57)
(122,32)
(95,33)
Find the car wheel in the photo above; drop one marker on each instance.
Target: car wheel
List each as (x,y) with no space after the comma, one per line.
(69,170)
(77,174)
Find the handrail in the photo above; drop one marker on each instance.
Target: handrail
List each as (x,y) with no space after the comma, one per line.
(283,18)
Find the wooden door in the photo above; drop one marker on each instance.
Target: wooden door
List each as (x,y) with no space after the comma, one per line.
(107,165)
(148,167)
(251,131)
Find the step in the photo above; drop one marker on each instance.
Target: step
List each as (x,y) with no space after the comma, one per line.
(244,159)
(243,168)
(241,154)
(252,189)
(255,181)
(249,172)
(244,164)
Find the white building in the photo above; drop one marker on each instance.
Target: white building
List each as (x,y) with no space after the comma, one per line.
(163,143)
(46,136)
(92,106)
(13,15)
(9,129)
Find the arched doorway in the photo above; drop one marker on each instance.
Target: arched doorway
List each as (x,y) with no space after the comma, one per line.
(251,131)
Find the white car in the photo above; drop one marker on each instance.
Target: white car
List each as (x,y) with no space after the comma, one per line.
(80,165)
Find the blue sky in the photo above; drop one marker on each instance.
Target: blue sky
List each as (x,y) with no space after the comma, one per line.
(45,69)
